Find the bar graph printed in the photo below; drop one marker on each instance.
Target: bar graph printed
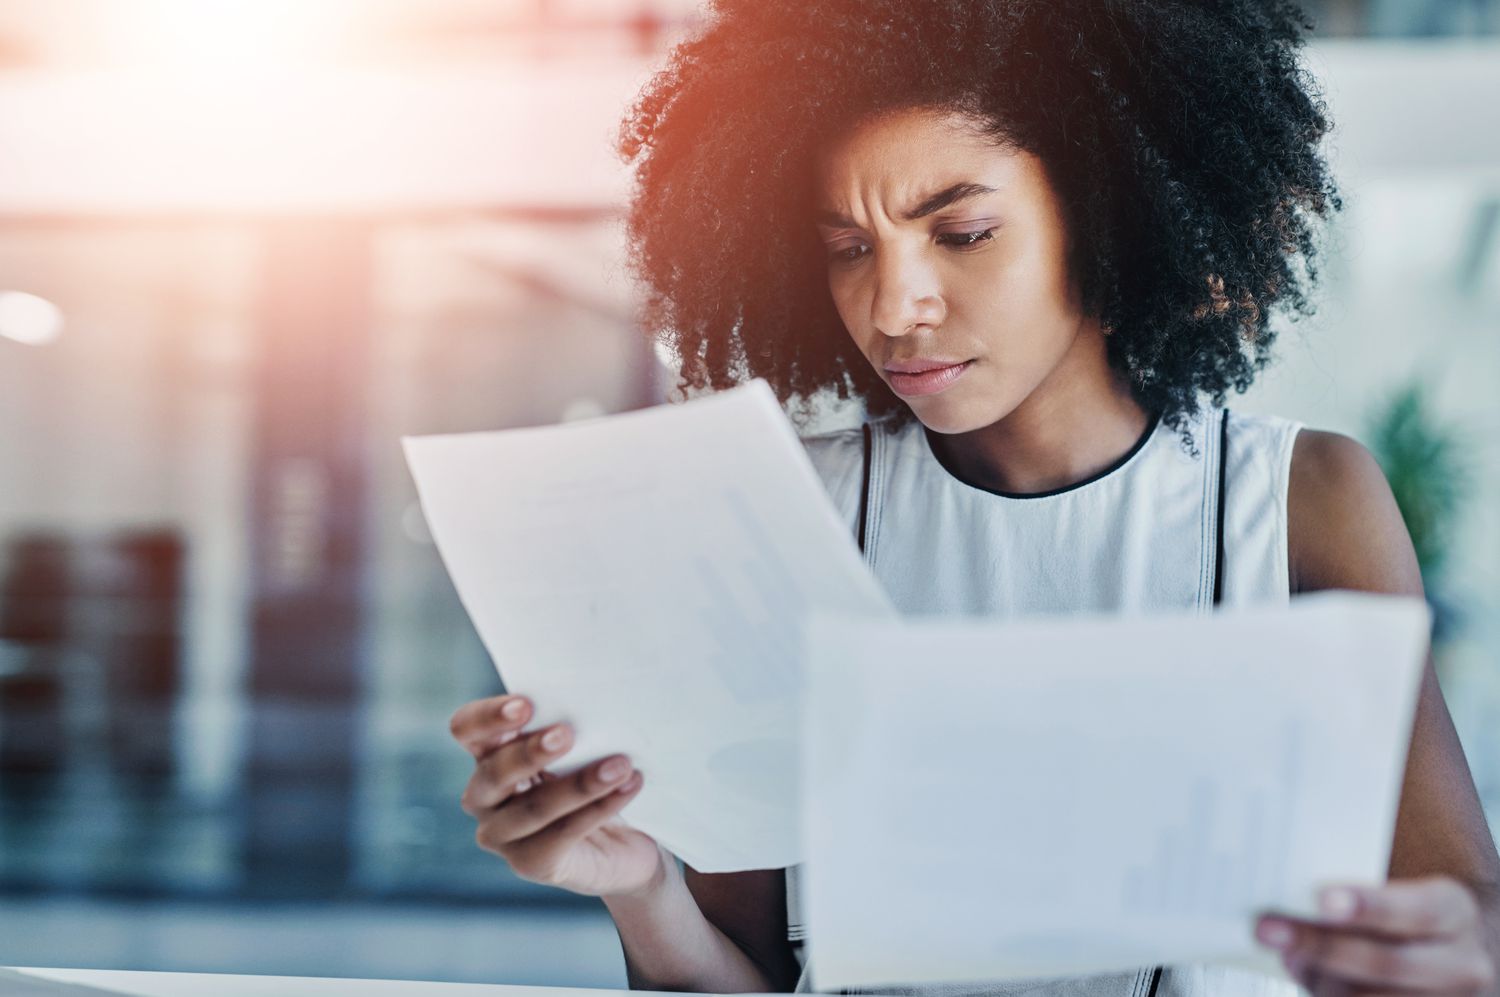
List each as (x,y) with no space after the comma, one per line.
(1228,851)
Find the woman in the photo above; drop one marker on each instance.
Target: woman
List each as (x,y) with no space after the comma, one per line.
(1035,239)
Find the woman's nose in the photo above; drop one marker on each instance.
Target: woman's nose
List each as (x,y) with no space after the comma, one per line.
(907,295)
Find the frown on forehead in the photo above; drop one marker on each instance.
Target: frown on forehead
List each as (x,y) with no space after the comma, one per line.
(902,156)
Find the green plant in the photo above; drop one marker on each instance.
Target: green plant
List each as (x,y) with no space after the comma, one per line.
(1424,459)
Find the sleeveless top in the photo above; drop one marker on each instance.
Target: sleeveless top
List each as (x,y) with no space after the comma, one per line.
(1170,526)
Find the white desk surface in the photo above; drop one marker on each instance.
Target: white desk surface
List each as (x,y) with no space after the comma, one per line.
(209,985)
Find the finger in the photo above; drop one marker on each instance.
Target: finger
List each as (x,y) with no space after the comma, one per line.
(527,813)
(1434,907)
(526,785)
(1278,933)
(1332,956)
(485,724)
(1296,968)
(516,767)
(586,820)
(537,856)
(1315,982)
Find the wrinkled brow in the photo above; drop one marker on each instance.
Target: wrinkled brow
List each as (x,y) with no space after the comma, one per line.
(929,205)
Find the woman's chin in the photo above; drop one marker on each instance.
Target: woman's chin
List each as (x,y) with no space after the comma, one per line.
(944,416)
(947,419)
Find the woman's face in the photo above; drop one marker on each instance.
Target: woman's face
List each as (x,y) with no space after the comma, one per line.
(947,262)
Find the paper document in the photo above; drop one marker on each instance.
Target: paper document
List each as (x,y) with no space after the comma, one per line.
(646,578)
(988,801)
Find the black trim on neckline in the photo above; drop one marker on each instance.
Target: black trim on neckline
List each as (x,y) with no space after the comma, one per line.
(1151,427)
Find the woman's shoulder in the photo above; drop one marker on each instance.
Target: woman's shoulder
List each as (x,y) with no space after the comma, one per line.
(837,453)
(839,459)
(841,452)
(1261,431)
(1344,529)
(835,443)
(1259,450)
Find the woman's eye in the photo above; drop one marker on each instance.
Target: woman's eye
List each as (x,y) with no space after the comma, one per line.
(962,240)
(848,254)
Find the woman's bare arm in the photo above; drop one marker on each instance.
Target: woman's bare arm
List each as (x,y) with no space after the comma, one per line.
(706,933)
(1346,532)
(750,908)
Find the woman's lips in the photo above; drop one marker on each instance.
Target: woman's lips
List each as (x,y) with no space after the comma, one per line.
(928,382)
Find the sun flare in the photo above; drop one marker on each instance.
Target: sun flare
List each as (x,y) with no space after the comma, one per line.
(208,39)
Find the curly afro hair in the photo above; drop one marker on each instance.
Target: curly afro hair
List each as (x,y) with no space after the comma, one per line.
(1182,137)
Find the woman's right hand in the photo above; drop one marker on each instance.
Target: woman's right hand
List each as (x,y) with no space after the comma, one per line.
(559,830)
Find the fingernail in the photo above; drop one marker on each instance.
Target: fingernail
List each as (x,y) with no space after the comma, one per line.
(614,769)
(1338,903)
(554,738)
(1277,934)
(513,709)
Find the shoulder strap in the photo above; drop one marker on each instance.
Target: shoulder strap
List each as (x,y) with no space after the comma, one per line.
(1153,981)
(864,489)
(1219,508)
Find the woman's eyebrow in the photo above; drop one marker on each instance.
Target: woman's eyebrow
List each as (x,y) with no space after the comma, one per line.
(945,197)
(931,204)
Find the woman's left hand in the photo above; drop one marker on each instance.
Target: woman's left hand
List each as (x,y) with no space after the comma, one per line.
(1408,936)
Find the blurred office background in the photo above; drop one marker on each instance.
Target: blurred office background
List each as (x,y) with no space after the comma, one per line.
(245,246)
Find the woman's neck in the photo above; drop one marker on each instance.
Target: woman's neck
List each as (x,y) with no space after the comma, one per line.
(1079,422)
